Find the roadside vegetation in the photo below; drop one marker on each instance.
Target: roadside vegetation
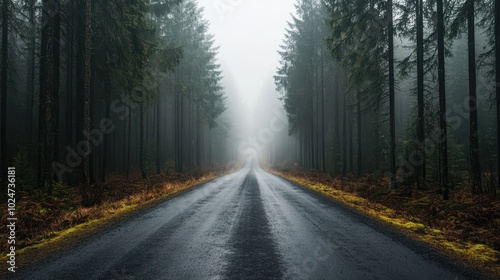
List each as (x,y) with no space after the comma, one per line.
(46,219)
(464,227)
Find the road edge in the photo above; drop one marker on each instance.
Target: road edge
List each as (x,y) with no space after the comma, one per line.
(404,237)
(77,235)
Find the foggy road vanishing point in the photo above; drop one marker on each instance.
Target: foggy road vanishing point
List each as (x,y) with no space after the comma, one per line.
(248,225)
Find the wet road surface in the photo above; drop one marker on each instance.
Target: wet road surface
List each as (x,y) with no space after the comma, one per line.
(248,225)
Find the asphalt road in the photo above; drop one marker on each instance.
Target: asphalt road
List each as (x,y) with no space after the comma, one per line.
(248,225)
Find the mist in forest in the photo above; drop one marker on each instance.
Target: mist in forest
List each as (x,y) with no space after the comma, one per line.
(362,103)
(172,87)
(249,33)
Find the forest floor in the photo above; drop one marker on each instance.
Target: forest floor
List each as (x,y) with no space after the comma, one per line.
(465,227)
(47,221)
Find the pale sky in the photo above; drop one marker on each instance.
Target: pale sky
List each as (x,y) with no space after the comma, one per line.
(249,33)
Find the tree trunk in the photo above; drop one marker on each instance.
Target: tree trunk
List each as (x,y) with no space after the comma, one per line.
(344,133)
(311,138)
(420,94)
(210,147)
(158,133)
(178,123)
(45,83)
(301,146)
(497,78)
(86,95)
(56,61)
(69,84)
(351,141)
(105,146)
(443,147)
(80,81)
(336,128)
(3,89)
(323,128)
(141,142)
(176,130)
(180,135)
(124,145)
(360,145)
(30,78)
(392,105)
(198,138)
(129,139)
(316,127)
(189,134)
(475,167)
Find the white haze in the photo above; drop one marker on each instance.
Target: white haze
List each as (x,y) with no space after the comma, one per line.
(249,33)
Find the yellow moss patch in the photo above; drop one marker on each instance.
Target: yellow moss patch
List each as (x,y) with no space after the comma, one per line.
(436,231)
(482,252)
(413,226)
(478,252)
(54,237)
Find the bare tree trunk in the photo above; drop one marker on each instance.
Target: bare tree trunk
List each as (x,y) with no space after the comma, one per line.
(45,101)
(336,129)
(80,80)
(344,133)
(94,158)
(198,138)
(158,133)
(351,141)
(69,84)
(141,142)
(301,146)
(475,167)
(178,123)
(392,105)
(129,139)
(360,144)
(105,146)
(124,145)
(316,127)
(56,61)
(86,97)
(176,131)
(311,141)
(3,89)
(443,148)
(189,134)
(210,147)
(497,74)
(30,79)
(323,128)
(421,167)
